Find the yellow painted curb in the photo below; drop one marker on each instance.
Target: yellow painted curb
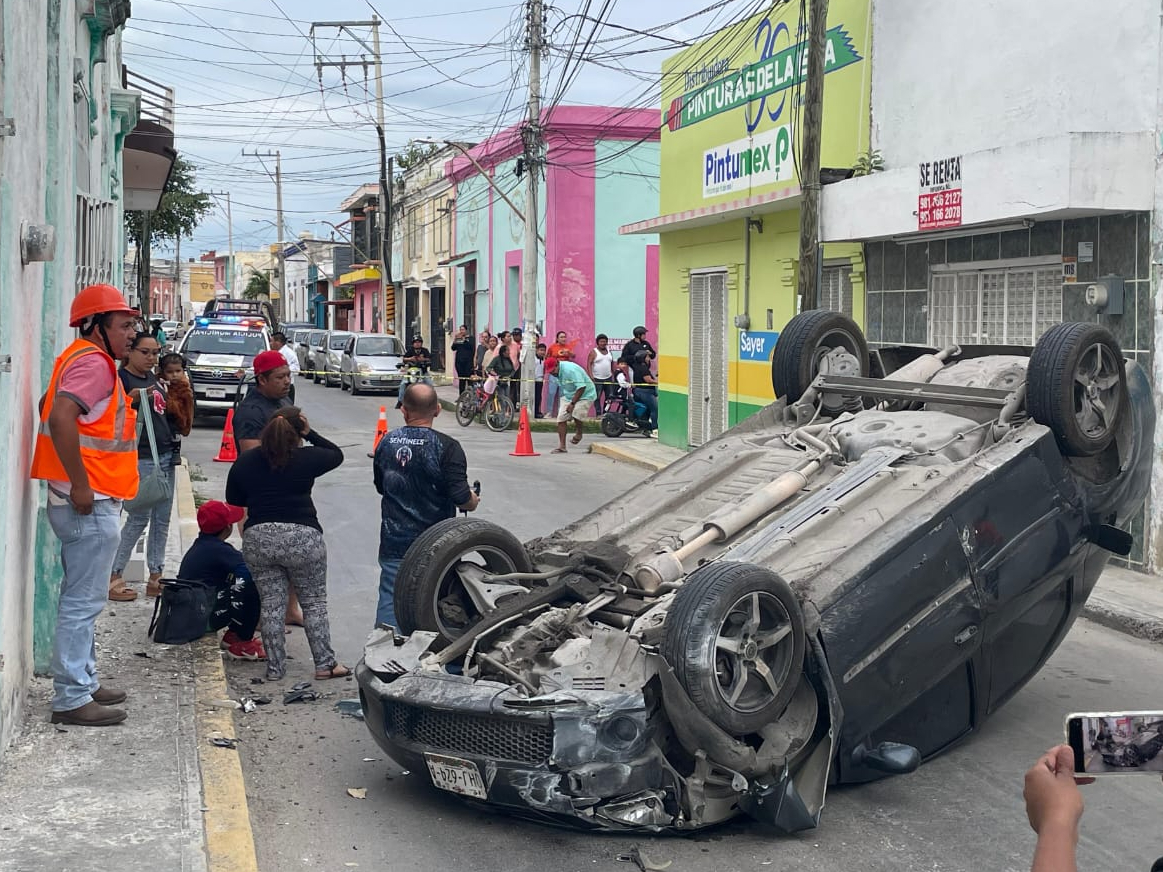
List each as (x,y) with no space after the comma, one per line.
(225,815)
(615,453)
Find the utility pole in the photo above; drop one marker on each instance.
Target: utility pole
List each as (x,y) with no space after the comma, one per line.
(385,205)
(810,157)
(280,309)
(229,238)
(531,138)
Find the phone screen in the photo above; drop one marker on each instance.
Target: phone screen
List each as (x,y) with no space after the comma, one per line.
(1116,743)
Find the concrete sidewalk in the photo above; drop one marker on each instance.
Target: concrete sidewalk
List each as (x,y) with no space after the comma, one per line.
(1124,600)
(150,794)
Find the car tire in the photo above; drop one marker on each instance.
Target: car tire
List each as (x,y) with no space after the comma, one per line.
(1076,384)
(613,424)
(714,644)
(796,359)
(428,593)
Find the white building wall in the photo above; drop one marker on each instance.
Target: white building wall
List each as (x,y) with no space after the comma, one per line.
(55,153)
(974,76)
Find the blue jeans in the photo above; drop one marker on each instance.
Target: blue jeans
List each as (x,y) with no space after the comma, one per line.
(649,399)
(158,519)
(386,608)
(551,394)
(88,543)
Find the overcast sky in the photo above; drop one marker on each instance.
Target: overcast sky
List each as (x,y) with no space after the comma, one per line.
(455,69)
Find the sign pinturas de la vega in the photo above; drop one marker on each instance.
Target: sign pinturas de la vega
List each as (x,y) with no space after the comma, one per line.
(770,75)
(762,159)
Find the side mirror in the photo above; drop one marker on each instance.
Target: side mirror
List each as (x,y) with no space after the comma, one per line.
(1113,539)
(891,757)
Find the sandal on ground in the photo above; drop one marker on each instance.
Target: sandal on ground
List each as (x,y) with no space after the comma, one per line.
(576,438)
(118,592)
(336,671)
(153,587)
(558,451)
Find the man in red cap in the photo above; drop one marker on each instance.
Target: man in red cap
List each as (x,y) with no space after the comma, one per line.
(86,449)
(272,378)
(215,561)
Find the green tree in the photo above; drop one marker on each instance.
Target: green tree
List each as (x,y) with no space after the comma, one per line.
(258,287)
(180,211)
(415,153)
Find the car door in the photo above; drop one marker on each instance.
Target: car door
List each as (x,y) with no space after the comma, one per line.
(902,640)
(1023,539)
(347,365)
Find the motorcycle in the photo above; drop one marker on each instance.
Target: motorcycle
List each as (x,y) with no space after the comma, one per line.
(624,414)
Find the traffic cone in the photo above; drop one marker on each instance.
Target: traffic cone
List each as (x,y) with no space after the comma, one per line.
(524,437)
(228,451)
(381,429)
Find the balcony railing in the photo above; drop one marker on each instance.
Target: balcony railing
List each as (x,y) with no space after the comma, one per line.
(157,100)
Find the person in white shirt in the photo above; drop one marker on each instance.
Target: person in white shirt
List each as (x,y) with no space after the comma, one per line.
(600,366)
(279,344)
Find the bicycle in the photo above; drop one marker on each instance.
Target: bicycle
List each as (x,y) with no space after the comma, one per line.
(496,409)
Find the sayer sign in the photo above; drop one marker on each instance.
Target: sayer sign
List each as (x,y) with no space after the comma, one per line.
(939,202)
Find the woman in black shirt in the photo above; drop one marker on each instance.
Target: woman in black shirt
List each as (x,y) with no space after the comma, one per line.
(282,540)
(138,378)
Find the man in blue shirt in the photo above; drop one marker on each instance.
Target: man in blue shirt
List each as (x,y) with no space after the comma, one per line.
(577,395)
(422,476)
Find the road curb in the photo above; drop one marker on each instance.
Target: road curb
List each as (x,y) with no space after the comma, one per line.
(615,452)
(1141,625)
(225,812)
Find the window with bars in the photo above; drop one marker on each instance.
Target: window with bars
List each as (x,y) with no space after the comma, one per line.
(836,289)
(96,243)
(1008,306)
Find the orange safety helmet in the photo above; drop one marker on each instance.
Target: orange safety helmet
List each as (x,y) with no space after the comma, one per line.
(97,300)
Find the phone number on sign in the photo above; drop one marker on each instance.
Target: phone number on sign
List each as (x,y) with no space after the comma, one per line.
(941,209)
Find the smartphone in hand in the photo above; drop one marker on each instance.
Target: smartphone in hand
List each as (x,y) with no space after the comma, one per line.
(1116,743)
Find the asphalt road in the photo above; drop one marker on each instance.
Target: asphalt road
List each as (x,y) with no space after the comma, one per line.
(962,811)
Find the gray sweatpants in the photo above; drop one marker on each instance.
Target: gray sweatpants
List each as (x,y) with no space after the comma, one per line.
(282,556)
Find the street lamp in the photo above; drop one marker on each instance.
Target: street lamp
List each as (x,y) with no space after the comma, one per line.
(338,228)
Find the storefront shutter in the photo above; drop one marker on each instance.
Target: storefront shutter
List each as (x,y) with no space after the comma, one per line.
(707,399)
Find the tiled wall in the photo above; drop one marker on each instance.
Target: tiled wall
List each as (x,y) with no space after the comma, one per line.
(898,278)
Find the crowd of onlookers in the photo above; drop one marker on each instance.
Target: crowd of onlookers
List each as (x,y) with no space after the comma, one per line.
(502,360)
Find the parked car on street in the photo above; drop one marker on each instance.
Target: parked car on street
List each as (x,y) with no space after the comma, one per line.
(371,362)
(329,356)
(306,351)
(170,328)
(838,588)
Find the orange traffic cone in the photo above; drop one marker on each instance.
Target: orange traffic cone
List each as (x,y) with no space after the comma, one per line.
(228,451)
(524,437)
(381,429)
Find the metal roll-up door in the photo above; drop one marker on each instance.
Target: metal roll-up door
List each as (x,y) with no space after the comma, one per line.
(707,413)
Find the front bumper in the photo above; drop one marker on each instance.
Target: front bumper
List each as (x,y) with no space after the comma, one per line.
(594,764)
(378,381)
(214,396)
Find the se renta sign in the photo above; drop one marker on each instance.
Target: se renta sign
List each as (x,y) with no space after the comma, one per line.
(756,346)
(939,201)
(762,159)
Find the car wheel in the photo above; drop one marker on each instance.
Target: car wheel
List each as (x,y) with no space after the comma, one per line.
(814,342)
(430,594)
(613,424)
(466,408)
(1076,384)
(735,638)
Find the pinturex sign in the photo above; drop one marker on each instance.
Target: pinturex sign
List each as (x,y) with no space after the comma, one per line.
(762,159)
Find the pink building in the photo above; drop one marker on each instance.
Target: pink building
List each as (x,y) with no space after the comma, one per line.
(601,171)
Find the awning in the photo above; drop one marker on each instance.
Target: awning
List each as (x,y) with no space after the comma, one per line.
(459,260)
(732,210)
(340,304)
(366,274)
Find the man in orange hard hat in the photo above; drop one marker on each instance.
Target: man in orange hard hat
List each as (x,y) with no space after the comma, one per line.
(86,449)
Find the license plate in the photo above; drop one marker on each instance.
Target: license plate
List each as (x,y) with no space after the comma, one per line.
(456,775)
(216,393)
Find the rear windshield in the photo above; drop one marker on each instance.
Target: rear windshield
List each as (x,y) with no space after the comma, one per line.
(337,342)
(247,342)
(378,346)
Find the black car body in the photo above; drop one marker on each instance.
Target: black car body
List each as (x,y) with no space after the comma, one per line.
(843,585)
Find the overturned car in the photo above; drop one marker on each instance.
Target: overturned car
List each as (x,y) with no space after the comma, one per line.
(840,587)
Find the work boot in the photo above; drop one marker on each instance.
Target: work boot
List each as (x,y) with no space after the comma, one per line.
(91,714)
(108,695)
(118,592)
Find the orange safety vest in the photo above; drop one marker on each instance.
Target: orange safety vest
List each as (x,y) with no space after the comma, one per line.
(108,445)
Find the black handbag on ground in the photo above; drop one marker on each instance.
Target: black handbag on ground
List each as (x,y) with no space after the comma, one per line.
(182,611)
